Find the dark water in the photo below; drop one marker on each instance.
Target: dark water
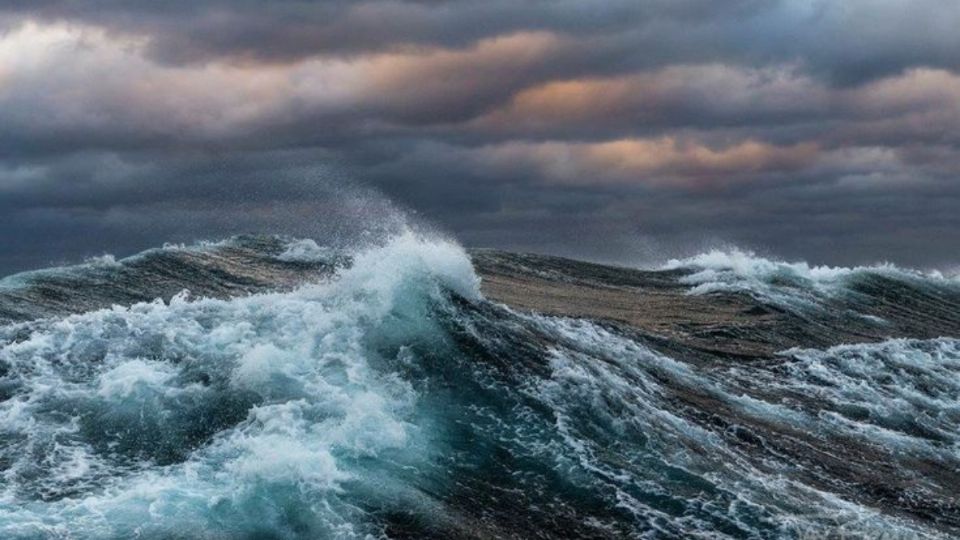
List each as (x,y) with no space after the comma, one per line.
(302,392)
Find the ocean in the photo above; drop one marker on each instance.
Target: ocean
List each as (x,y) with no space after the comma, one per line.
(269,387)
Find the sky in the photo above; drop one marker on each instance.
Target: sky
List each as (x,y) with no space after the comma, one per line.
(617,130)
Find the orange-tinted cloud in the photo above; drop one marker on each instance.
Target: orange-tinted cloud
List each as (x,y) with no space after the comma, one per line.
(675,95)
(652,161)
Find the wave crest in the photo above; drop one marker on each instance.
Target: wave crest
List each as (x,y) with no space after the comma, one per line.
(790,284)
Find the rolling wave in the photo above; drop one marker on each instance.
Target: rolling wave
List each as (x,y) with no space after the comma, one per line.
(793,285)
(270,387)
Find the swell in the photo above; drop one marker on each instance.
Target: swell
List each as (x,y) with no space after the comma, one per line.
(237,266)
(304,393)
(878,293)
(735,306)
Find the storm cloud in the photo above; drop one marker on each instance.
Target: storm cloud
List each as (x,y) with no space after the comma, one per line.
(617,130)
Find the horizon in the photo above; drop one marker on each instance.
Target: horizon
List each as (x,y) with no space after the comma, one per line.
(724,256)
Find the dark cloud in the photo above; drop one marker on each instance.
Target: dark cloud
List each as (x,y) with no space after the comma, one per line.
(849,41)
(616,130)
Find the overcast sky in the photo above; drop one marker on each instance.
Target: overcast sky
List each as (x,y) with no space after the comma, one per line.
(618,130)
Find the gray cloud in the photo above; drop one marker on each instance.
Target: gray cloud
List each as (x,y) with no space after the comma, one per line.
(849,42)
(820,130)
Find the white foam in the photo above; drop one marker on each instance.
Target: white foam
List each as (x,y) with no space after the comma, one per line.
(305,250)
(789,284)
(619,381)
(409,254)
(127,378)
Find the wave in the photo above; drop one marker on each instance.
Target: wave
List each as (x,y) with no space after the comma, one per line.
(226,268)
(300,391)
(791,284)
(165,418)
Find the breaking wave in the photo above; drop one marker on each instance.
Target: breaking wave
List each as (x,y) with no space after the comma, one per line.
(301,391)
(790,284)
(786,283)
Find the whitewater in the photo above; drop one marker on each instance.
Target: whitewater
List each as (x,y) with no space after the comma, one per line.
(274,387)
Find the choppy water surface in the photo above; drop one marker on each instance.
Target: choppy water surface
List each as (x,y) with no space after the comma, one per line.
(302,392)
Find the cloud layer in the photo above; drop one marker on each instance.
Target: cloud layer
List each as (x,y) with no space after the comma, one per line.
(611,130)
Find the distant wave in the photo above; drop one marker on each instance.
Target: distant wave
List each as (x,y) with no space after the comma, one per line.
(271,387)
(790,284)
